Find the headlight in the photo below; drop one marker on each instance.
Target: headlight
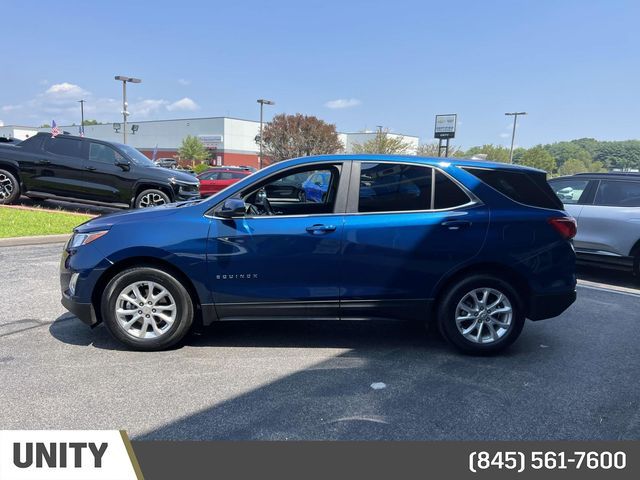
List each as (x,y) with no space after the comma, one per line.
(79,239)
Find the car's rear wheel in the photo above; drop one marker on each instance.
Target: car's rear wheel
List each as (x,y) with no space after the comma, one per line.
(151,198)
(9,187)
(147,308)
(481,314)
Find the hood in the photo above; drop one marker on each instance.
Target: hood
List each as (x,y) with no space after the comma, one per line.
(179,176)
(131,216)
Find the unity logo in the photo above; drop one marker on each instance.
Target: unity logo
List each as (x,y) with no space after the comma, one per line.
(58,454)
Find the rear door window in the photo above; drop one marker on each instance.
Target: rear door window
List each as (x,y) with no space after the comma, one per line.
(618,193)
(68,147)
(526,187)
(389,187)
(447,193)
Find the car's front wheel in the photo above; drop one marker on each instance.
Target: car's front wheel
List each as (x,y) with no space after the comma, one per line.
(151,198)
(9,187)
(481,314)
(147,308)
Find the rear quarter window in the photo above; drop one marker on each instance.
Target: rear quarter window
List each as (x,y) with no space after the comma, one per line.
(526,187)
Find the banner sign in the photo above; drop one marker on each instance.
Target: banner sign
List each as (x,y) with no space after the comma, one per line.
(445,126)
(67,455)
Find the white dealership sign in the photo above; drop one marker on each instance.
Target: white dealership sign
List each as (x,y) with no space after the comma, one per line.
(445,126)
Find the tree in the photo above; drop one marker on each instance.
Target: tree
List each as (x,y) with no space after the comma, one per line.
(494,153)
(572,166)
(431,150)
(193,149)
(383,143)
(45,125)
(563,151)
(290,136)
(538,157)
(91,122)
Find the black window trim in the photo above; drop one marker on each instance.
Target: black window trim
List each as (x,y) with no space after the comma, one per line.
(354,190)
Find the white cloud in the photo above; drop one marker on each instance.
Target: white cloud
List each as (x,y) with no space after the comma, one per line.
(184,81)
(504,135)
(60,102)
(183,104)
(1,123)
(343,103)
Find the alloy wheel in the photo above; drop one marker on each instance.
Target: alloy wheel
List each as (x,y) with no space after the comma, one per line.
(6,186)
(145,310)
(151,200)
(484,315)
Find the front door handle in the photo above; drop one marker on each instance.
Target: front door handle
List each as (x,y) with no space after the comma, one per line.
(456,224)
(91,169)
(321,229)
(43,162)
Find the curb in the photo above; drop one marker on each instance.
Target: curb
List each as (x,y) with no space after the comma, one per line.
(35,240)
(48,210)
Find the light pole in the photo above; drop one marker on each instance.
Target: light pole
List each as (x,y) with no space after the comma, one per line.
(262,103)
(81,102)
(513,133)
(125,114)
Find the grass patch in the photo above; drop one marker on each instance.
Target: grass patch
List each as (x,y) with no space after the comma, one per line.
(15,222)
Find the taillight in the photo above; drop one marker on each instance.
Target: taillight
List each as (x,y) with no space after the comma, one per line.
(565,226)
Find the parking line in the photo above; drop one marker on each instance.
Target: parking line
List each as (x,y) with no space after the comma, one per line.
(609,288)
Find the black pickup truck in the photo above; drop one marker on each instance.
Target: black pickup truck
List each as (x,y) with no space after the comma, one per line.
(67,167)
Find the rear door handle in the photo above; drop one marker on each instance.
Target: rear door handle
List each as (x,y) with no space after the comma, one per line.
(91,169)
(456,224)
(43,162)
(321,229)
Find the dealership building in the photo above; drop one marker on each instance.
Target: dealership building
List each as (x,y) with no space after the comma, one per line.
(231,141)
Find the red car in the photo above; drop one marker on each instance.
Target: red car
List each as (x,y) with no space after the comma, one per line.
(216,179)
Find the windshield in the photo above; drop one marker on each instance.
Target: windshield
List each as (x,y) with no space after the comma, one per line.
(136,155)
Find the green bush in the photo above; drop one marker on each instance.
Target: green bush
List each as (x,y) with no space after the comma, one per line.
(201,167)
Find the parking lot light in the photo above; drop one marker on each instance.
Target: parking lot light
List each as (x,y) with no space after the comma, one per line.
(125,113)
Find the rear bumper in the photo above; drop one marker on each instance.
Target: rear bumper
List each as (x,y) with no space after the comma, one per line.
(550,305)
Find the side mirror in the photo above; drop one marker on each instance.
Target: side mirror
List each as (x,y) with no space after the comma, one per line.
(123,164)
(232,207)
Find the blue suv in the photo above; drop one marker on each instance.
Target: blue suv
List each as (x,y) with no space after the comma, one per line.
(475,247)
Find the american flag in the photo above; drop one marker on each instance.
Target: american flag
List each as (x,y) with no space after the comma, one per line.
(81,131)
(54,129)
(155,153)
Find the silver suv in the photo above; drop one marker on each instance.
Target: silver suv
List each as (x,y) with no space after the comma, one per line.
(607,208)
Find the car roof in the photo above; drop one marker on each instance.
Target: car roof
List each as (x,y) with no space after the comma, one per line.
(430,161)
(602,176)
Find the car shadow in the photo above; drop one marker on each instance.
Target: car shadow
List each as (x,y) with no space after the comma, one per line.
(369,335)
(69,207)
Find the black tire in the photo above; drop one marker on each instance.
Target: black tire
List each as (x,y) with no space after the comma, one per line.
(447,323)
(9,187)
(151,198)
(175,332)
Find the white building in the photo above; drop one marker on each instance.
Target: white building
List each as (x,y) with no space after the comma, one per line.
(232,141)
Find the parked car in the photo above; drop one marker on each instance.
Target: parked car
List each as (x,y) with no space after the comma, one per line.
(216,179)
(607,208)
(166,162)
(315,187)
(475,247)
(86,170)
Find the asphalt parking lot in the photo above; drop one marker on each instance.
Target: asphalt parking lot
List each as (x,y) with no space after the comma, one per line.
(574,377)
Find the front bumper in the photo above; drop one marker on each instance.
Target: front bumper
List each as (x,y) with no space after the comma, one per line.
(550,305)
(84,311)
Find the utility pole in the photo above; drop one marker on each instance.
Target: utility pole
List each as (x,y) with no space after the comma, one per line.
(262,103)
(125,113)
(81,102)
(513,133)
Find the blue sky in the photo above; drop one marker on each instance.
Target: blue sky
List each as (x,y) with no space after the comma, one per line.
(572,65)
